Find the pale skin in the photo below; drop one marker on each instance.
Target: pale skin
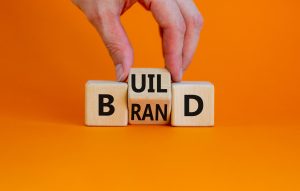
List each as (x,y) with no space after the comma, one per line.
(179,21)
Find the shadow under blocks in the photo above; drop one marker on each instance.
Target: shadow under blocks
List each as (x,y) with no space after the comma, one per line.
(149,97)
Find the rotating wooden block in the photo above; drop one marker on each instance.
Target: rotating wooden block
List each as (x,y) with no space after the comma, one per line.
(192,104)
(106,103)
(149,96)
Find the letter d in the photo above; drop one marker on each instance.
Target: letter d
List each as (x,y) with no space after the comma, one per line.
(187,99)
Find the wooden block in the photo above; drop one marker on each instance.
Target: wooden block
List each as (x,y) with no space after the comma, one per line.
(192,104)
(149,96)
(106,103)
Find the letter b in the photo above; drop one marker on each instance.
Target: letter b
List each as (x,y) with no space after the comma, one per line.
(108,104)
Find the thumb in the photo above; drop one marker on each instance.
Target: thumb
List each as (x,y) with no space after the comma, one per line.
(115,39)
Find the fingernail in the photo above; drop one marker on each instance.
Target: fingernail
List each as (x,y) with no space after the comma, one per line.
(119,72)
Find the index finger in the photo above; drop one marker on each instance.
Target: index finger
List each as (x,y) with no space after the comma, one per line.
(168,16)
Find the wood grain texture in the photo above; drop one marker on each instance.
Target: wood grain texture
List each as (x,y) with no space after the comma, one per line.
(155,98)
(185,104)
(118,90)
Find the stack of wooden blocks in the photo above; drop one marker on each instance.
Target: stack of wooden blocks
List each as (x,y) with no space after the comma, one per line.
(149,98)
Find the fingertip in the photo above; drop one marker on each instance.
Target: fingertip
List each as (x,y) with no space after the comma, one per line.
(177,77)
(185,67)
(176,73)
(180,75)
(120,73)
(122,70)
(128,62)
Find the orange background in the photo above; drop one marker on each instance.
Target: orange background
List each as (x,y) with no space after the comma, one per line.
(248,49)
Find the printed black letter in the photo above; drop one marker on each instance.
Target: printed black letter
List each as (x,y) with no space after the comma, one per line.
(187,111)
(159,110)
(159,85)
(108,104)
(135,109)
(143,86)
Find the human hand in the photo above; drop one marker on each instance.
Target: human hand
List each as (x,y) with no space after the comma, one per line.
(179,20)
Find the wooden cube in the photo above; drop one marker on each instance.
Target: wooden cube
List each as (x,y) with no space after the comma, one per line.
(192,104)
(106,103)
(149,96)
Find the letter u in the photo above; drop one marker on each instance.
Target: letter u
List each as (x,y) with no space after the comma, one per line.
(143,82)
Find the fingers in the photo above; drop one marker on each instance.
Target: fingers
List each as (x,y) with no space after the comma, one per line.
(105,16)
(179,20)
(168,16)
(117,43)
(193,22)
